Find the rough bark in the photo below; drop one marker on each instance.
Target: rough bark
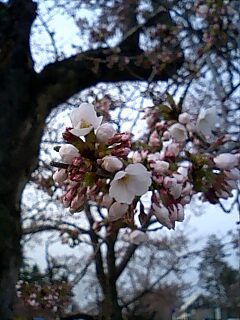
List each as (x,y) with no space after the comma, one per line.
(111,309)
(26,99)
(20,131)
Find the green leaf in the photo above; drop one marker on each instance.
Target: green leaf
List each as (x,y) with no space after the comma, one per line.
(89,179)
(170,100)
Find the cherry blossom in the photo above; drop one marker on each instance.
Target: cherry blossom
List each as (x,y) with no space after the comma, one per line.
(134,181)
(169,164)
(207,120)
(84,119)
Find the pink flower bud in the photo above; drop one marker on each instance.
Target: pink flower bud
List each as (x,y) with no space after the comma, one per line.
(187,189)
(185,200)
(154,139)
(160,126)
(172,150)
(160,166)
(112,164)
(119,137)
(226,161)
(153,157)
(68,152)
(67,198)
(166,135)
(117,211)
(180,213)
(178,132)
(162,215)
(158,179)
(184,118)
(168,182)
(179,177)
(60,176)
(233,174)
(105,132)
(136,157)
(77,203)
(69,137)
(173,213)
(121,152)
(175,190)
(125,137)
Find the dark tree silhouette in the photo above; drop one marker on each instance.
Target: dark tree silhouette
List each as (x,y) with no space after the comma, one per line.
(216,276)
(27,97)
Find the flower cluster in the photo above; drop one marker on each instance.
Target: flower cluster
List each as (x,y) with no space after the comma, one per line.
(178,157)
(53,297)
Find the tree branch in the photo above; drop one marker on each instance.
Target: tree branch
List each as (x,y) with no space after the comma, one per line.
(127,256)
(62,79)
(130,251)
(80,315)
(58,226)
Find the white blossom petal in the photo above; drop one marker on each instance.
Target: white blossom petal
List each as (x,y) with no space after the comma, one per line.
(135,180)
(207,120)
(120,193)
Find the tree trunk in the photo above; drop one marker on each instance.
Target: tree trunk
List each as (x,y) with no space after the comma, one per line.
(111,309)
(20,131)
(10,250)
(18,156)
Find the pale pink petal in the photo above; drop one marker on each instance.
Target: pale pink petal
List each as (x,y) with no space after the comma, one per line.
(117,211)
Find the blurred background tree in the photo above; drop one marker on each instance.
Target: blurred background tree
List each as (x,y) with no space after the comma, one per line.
(219,279)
